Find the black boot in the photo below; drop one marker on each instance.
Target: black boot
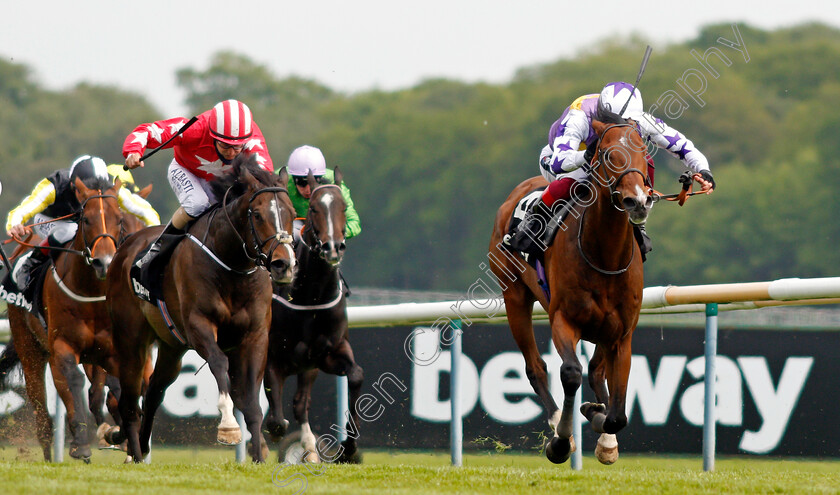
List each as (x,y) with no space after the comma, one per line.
(535,231)
(643,239)
(156,245)
(23,274)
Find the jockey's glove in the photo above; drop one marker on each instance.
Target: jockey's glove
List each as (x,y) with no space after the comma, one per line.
(590,152)
(707,176)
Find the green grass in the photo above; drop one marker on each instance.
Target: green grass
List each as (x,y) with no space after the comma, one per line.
(187,471)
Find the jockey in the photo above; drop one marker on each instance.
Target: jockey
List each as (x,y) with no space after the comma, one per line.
(572,143)
(54,196)
(307,159)
(203,152)
(116,170)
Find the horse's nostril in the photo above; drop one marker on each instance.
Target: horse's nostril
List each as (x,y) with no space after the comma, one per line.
(629,203)
(342,247)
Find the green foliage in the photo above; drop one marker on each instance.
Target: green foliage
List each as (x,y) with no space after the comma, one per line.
(428,166)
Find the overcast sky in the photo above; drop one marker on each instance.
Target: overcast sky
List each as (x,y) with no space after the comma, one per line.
(346,45)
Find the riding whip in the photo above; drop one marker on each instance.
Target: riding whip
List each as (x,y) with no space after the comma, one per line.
(638,78)
(180,131)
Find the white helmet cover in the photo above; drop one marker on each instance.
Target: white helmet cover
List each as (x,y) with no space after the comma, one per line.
(615,95)
(307,159)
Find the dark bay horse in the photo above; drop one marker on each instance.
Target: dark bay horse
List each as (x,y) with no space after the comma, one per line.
(595,276)
(217,290)
(78,325)
(309,324)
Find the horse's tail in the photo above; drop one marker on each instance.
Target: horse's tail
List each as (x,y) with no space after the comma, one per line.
(8,360)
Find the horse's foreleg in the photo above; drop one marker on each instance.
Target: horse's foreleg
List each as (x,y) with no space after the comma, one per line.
(565,339)
(341,362)
(203,331)
(246,374)
(275,422)
(167,368)
(612,418)
(70,383)
(300,405)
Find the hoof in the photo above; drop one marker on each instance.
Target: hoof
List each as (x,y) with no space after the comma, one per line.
(263,448)
(558,450)
(349,454)
(589,409)
(114,436)
(607,449)
(310,457)
(277,430)
(229,436)
(81,452)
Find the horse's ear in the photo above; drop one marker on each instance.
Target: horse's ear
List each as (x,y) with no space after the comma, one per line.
(599,127)
(117,184)
(339,177)
(310,178)
(82,190)
(283,177)
(144,193)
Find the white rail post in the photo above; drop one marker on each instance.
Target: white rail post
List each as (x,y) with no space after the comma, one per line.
(58,429)
(456,433)
(709,418)
(240,447)
(342,394)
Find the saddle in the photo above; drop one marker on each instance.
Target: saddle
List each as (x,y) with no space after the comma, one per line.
(147,281)
(29,297)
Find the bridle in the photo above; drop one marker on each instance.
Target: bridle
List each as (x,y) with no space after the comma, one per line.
(318,246)
(279,238)
(602,178)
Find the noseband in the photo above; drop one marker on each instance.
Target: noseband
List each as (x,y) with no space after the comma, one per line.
(279,238)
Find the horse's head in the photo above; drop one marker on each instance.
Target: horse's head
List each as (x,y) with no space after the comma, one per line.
(326,223)
(268,214)
(100,223)
(621,165)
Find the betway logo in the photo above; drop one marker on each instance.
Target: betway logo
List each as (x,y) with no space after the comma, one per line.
(504,376)
(15,298)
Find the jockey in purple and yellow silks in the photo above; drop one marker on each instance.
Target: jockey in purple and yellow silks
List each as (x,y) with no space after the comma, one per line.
(572,142)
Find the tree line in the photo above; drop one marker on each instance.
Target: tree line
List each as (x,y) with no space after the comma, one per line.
(429,165)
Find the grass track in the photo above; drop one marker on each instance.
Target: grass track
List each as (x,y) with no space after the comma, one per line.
(185,471)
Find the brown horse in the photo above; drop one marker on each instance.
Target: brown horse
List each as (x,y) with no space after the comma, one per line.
(217,290)
(309,329)
(78,326)
(594,273)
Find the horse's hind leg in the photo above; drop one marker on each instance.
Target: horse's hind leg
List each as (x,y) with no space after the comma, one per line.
(34,363)
(341,362)
(167,368)
(275,423)
(70,383)
(565,340)
(519,308)
(300,405)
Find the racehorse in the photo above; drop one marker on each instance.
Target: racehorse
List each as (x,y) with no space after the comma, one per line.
(78,325)
(595,281)
(217,297)
(309,329)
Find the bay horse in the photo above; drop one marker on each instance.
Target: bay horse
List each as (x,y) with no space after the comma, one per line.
(309,330)
(217,292)
(595,280)
(77,323)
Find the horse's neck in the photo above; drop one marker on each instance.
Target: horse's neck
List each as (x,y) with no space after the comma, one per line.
(75,273)
(317,281)
(606,231)
(222,237)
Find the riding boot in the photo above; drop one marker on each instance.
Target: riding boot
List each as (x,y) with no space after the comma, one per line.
(23,274)
(643,239)
(163,240)
(535,230)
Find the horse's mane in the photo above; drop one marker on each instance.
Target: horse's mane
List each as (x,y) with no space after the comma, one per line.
(607,116)
(234,180)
